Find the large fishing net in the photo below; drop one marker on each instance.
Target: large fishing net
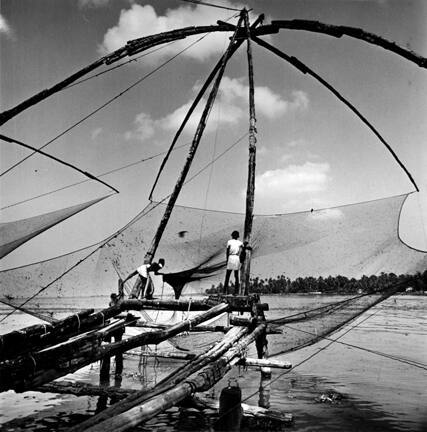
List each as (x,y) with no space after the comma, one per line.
(351,241)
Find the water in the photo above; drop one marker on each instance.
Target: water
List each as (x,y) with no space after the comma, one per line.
(376,393)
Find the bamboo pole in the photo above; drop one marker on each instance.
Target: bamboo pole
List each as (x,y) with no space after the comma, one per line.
(84,389)
(168,382)
(250,191)
(142,44)
(202,381)
(252,362)
(244,305)
(44,366)
(40,336)
(306,70)
(191,153)
(200,328)
(354,32)
(202,91)
(193,106)
(131,48)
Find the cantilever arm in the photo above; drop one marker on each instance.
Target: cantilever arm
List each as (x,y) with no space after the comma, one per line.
(131,48)
(306,70)
(354,32)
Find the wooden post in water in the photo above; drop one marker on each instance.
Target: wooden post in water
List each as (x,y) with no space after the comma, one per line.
(250,192)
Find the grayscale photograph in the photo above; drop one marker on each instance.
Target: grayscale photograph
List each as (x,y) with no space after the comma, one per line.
(213,215)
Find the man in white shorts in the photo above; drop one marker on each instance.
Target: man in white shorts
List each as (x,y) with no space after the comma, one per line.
(234,248)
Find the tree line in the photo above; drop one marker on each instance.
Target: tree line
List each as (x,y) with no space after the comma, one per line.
(282,284)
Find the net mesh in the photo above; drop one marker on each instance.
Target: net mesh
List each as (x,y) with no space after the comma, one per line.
(352,240)
(14,234)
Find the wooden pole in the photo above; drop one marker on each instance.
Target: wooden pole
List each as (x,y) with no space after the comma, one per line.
(41,336)
(176,377)
(191,153)
(203,381)
(250,191)
(44,366)
(131,48)
(306,70)
(184,305)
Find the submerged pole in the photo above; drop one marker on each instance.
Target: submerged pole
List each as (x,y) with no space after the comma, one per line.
(250,191)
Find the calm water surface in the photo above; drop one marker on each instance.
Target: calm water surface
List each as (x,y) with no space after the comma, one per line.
(377,393)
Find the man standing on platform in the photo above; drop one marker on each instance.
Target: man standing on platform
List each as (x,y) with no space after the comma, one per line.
(233,251)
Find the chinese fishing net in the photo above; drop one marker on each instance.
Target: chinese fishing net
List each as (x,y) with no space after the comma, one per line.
(351,241)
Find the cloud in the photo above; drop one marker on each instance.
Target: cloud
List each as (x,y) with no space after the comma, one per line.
(95,133)
(144,128)
(230,108)
(93,3)
(292,180)
(4,26)
(267,103)
(140,21)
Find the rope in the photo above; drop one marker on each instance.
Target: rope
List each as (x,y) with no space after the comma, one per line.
(309,358)
(105,104)
(379,353)
(142,214)
(99,175)
(78,321)
(118,66)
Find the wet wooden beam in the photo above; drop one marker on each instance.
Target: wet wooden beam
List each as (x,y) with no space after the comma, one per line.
(236,303)
(169,382)
(41,367)
(40,336)
(202,381)
(252,362)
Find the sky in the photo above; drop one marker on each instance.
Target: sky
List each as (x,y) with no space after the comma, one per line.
(312,152)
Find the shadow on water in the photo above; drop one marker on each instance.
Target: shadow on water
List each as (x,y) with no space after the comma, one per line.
(313,401)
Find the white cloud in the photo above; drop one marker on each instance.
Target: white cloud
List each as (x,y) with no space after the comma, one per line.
(231,106)
(144,128)
(293,180)
(267,103)
(4,26)
(95,133)
(140,21)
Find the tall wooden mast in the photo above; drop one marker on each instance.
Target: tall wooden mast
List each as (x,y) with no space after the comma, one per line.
(192,151)
(250,191)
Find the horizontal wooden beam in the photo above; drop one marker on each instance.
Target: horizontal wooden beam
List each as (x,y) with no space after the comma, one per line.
(236,303)
(253,362)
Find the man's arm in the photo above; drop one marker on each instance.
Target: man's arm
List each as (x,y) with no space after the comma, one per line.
(130,276)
